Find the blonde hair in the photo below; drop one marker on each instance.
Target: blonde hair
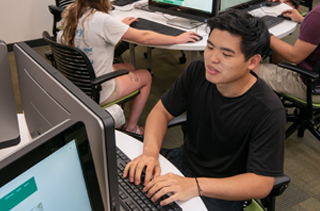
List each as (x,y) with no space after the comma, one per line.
(74,12)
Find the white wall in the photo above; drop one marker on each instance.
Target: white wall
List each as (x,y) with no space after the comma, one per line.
(23,20)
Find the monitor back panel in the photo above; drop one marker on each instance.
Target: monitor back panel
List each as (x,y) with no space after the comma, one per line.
(48,98)
(9,129)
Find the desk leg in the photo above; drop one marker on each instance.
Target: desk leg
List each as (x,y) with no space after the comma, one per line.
(132,54)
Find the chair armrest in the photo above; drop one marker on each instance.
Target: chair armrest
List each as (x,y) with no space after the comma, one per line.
(180,120)
(300,70)
(280,185)
(108,76)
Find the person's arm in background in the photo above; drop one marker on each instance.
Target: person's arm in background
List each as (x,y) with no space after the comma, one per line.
(152,38)
(293,53)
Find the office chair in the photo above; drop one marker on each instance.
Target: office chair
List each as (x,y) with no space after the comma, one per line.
(268,203)
(305,114)
(56,11)
(307,3)
(76,66)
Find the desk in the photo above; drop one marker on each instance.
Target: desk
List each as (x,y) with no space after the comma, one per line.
(283,29)
(130,146)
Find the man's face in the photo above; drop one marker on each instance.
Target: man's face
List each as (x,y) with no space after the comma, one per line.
(224,61)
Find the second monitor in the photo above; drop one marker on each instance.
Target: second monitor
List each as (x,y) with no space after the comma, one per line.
(189,9)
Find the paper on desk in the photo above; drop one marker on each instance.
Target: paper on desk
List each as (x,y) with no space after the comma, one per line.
(257,13)
(272,11)
(276,10)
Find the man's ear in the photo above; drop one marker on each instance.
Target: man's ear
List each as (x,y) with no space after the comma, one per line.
(254,61)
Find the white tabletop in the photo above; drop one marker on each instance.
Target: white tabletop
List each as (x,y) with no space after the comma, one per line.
(24,137)
(281,30)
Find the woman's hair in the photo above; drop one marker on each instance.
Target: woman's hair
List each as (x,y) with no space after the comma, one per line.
(74,11)
(255,37)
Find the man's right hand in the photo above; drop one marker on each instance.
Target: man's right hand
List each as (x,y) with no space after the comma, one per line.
(293,14)
(146,163)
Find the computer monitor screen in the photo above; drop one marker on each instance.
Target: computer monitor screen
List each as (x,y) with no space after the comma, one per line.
(189,9)
(48,99)
(54,172)
(239,4)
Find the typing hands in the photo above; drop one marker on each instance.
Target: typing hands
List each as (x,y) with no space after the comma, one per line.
(180,188)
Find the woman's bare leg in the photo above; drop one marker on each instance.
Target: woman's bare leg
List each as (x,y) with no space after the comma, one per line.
(136,79)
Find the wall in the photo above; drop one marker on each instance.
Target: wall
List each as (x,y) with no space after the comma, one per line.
(24,20)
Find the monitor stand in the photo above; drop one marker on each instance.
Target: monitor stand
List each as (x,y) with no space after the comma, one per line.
(184,23)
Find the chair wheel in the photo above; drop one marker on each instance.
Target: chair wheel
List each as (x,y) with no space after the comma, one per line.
(182,59)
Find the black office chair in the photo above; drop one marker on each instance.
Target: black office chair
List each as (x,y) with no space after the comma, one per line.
(306,114)
(56,11)
(307,3)
(267,203)
(75,65)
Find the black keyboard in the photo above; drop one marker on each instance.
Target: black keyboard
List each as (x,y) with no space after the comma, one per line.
(156,27)
(271,21)
(123,2)
(132,197)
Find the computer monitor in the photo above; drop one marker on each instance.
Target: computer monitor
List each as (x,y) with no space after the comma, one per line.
(240,4)
(186,9)
(48,99)
(53,172)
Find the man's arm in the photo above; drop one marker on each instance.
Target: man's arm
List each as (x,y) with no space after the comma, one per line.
(236,188)
(296,53)
(155,130)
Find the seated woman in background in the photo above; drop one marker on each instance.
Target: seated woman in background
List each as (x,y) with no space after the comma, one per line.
(88,26)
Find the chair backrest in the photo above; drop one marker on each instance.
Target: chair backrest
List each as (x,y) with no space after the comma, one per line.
(316,85)
(74,65)
(63,3)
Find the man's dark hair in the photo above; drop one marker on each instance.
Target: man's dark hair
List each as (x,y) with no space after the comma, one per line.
(255,37)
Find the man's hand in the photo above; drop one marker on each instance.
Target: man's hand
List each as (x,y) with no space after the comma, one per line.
(129,20)
(149,164)
(293,14)
(180,188)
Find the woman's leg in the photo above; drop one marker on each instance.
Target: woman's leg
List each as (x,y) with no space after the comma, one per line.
(136,79)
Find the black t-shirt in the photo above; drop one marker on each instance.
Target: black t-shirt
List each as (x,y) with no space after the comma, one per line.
(228,136)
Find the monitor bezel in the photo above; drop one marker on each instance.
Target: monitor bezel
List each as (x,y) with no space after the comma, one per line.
(8,170)
(184,12)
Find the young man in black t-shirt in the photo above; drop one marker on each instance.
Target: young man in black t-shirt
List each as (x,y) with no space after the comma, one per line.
(236,125)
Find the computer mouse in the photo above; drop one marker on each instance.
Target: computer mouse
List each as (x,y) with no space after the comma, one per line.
(200,38)
(286,18)
(271,4)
